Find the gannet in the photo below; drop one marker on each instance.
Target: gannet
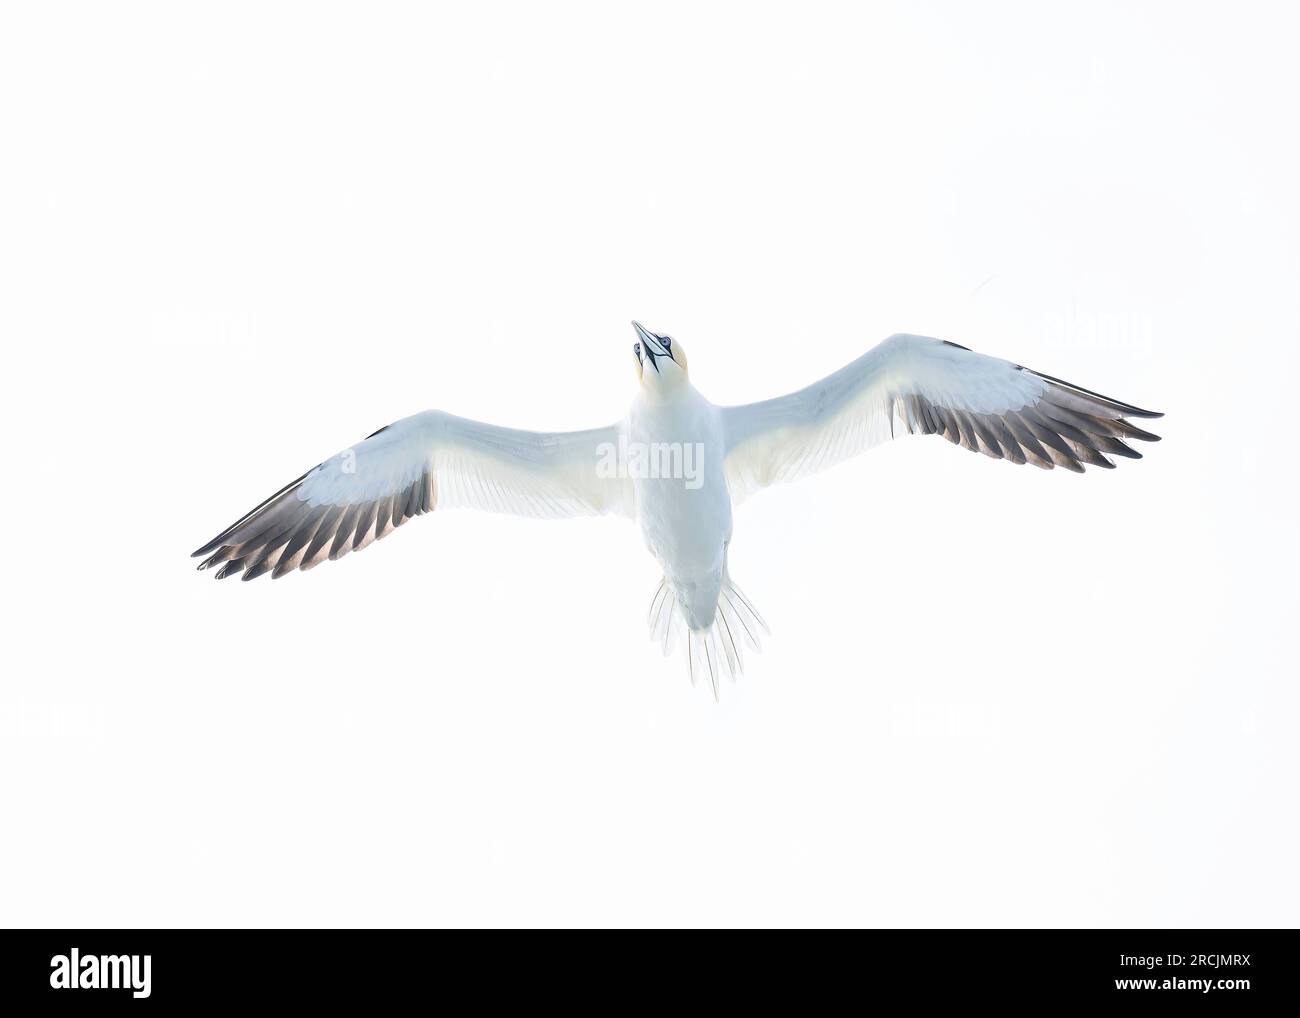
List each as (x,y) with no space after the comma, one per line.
(678,465)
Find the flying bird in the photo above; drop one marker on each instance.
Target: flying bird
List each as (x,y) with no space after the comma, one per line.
(678,465)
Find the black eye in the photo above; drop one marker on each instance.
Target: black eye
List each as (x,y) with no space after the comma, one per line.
(637,349)
(668,342)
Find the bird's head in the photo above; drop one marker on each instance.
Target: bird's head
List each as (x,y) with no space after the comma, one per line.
(660,360)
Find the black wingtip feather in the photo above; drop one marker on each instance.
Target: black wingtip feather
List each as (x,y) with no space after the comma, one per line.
(217,541)
(1128,409)
(230,568)
(1132,431)
(255,571)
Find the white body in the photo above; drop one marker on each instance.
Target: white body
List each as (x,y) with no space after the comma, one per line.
(687,529)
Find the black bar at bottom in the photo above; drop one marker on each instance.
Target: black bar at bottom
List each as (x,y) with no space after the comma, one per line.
(153,969)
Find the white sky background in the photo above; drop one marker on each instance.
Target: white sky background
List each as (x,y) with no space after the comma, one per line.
(234,240)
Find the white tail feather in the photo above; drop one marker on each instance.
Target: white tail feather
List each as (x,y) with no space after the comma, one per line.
(709,650)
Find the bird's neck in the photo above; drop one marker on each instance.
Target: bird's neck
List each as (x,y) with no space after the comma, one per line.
(667,392)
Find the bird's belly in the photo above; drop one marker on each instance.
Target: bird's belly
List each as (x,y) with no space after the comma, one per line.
(685,528)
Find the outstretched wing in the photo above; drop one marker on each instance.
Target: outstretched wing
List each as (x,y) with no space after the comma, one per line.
(914,384)
(430,461)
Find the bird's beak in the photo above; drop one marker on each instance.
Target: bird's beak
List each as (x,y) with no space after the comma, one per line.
(651,345)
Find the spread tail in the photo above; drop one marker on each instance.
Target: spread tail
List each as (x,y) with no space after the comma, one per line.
(711,649)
